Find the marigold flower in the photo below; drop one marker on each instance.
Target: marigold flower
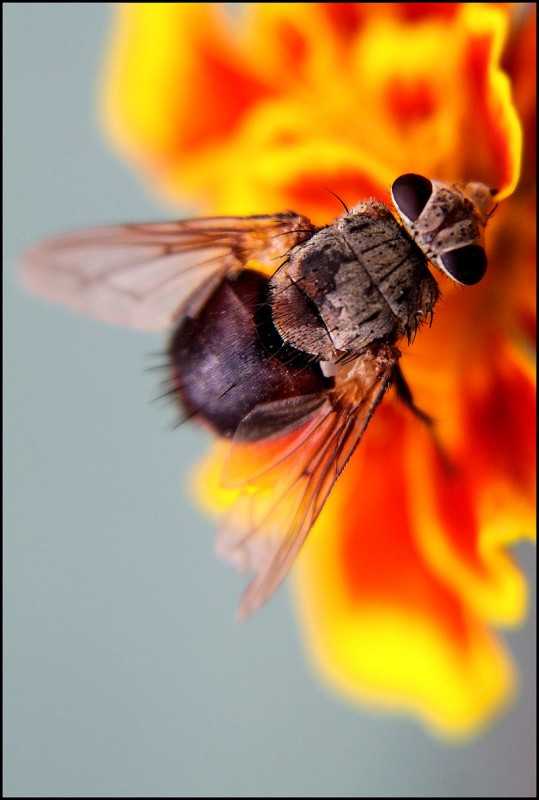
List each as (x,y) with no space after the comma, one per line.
(258,110)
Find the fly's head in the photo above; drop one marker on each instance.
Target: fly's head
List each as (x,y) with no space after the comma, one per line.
(447,222)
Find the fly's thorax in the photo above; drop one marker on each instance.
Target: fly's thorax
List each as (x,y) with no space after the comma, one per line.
(359,280)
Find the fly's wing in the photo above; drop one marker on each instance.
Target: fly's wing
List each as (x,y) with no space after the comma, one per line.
(145,276)
(285,478)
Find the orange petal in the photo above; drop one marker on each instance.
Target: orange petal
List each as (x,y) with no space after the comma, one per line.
(520,63)
(489,119)
(465,512)
(379,622)
(173,83)
(237,110)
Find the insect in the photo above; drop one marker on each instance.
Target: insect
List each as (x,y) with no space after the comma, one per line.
(284,335)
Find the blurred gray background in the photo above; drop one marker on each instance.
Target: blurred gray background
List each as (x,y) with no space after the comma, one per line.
(125,672)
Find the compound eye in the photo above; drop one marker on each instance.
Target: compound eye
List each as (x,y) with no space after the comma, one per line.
(466,265)
(411,193)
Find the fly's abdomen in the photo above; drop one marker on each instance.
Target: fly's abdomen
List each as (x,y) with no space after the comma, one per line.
(230,358)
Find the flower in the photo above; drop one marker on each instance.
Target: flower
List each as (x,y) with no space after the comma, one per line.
(253,110)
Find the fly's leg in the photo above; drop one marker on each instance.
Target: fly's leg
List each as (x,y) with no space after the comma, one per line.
(404,394)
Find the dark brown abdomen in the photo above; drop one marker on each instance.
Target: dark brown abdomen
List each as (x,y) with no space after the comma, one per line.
(230,358)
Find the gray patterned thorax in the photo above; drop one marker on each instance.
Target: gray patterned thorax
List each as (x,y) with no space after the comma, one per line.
(358,281)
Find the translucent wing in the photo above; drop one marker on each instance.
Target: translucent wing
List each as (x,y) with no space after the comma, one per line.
(146,275)
(285,478)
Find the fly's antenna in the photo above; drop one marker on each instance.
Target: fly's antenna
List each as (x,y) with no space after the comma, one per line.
(341,201)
